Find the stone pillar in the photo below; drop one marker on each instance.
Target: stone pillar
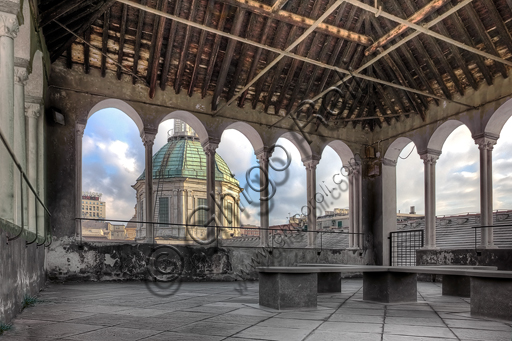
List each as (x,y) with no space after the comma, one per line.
(148,139)
(429,160)
(358,203)
(351,208)
(263,157)
(485,145)
(8,31)
(32,112)
(311,192)
(210,147)
(20,80)
(79,134)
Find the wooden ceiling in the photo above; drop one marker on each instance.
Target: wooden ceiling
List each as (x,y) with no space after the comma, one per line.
(160,52)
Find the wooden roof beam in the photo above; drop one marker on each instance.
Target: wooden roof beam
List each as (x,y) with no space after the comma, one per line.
(55,11)
(87,38)
(278,4)
(425,30)
(182,65)
(215,50)
(170,43)
(255,60)
(287,53)
(228,56)
(200,46)
(415,18)
(153,72)
(440,55)
(154,38)
(106,5)
(138,38)
(122,34)
(298,20)
(104,42)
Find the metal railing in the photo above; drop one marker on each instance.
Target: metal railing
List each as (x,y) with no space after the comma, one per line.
(278,238)
(403,246)
(37,199)
(475,228)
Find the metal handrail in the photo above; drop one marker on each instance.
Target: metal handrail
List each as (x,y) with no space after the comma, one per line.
(29,184)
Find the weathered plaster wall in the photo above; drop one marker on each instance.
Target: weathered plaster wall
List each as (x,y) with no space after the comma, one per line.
(22,269)
(69,261)
(502,258)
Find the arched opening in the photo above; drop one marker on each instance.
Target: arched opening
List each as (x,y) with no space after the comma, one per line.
(178,182)
(502,170)
(112,158)
(410,196)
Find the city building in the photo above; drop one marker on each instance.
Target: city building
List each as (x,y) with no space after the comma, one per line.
(179,185)
(248,230)
(92,206)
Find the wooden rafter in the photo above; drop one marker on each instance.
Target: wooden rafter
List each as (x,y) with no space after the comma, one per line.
(256,59)
(138,38)
(477,24)
(73,16)
(215,50)
(122,32)
(154,38)
(436,50)
(184,49)
(104,41)
(56,11)
(228,56)
(87,57)
(153,71)
(170,44)
(85,25)
(299,20)
(200,46)
(415,18)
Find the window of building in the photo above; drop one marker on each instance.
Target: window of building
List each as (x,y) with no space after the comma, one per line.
(333,223)
(202,214)
(340,223)
(163,210)
(229,214)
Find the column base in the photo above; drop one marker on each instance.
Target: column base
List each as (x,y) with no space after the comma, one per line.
(430,248)
(487,247)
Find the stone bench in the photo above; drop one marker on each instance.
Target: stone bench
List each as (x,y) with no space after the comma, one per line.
(297,287)
(453,285)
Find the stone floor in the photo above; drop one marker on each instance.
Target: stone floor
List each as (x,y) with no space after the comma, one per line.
(228,311)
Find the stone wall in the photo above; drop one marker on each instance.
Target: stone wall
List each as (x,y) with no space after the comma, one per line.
(22,269)
(70,261)
(502,258)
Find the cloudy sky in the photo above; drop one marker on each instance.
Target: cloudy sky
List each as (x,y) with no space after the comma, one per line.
(113,158)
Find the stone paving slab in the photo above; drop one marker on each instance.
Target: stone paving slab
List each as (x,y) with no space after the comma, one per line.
(219,311)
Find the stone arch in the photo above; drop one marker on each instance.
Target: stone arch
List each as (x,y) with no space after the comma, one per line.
(343,151)
(394,150)
(189,119)
(300,143)
(249,132)
(442,132)
(499,118)
(121,105)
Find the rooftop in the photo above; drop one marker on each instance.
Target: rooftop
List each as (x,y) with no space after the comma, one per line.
(227,311)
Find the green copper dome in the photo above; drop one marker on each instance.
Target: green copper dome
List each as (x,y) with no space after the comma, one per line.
(185,158)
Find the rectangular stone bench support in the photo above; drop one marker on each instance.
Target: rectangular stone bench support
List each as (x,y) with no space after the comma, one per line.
(491,297)
(288,290)
(329,282)
(390,287)
(456,285)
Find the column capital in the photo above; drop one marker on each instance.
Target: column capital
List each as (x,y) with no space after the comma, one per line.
(430,156)
(264,154)
(8,25)
(486,141)
(148,138)
(311,162)
(388,162)
(33,110)
(79,129)
(210,146)
(20,75)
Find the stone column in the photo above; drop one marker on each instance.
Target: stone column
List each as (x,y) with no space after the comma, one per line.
(210,147)
(32,112)
(263,157)
(429,160)
(485,145)
(20,80)
(148,139)
(8,31)
(79,134)
(311,192)
(357,203)
(351,210)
